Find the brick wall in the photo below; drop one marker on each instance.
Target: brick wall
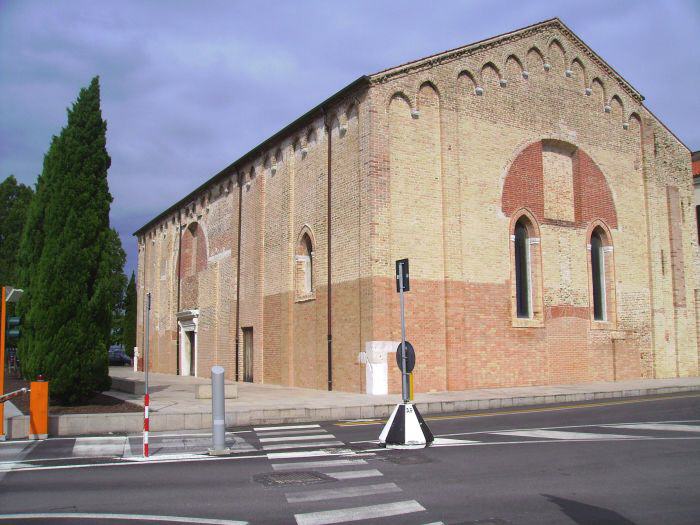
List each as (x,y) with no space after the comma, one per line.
(435,161)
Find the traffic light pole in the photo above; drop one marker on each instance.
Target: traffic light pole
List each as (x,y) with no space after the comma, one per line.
(3,312)
(404,374)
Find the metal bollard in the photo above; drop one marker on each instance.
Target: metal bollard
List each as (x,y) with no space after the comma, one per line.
(218,413)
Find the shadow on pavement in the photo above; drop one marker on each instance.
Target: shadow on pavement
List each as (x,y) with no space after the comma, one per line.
(585,514)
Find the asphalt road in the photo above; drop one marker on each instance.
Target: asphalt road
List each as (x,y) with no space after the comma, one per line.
(625,461)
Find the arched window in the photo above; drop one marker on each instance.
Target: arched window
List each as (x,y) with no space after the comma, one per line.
(523,282)
(598,277)
(304,267)
(601,271)
(526,271)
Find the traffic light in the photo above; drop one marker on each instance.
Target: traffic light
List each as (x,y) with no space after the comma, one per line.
(12,330)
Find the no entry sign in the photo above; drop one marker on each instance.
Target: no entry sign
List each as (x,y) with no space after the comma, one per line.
(410,358)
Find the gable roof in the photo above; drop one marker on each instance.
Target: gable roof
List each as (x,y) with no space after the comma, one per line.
(387,74)
(458,52)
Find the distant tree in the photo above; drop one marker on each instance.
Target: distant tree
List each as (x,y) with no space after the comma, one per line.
(71,260)
(130,317)
(14,202)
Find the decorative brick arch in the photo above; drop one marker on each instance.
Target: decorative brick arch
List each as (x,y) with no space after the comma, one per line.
(193,256)
(524,187)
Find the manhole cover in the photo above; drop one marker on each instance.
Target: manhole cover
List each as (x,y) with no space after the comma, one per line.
(278,479)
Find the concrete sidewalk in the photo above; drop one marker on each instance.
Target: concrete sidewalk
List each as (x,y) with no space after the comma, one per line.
(174,406)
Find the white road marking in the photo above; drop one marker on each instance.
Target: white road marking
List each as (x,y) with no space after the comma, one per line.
(168,457)
(288,432)
(304,454)
(91,447)
(133,463)
(138,517)
(354,474)
(297,438)
(657,426)
(282,446)
(300,465)
(548,428)
(14,465)
(553,434)
(288,427)
(446,442)
(347,492)
(359,513)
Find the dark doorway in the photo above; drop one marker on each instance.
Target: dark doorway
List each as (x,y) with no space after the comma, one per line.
(193,350)
(248,354)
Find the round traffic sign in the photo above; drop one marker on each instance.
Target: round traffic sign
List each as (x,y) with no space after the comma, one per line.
(410,357)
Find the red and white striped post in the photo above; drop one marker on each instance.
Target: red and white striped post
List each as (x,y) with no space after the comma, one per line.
(146,399)
(145,426)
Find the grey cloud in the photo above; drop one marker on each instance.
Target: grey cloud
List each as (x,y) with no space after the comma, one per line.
(187,87)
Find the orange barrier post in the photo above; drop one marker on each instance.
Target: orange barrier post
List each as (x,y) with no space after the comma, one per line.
(39,410)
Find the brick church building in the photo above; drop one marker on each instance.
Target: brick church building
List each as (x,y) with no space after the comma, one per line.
(547,214)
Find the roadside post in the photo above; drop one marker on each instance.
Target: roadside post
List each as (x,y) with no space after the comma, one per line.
(218,413)
(39,409)
(406,428)
(146,399)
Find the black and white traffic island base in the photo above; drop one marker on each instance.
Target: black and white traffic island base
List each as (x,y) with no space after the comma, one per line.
(405,429)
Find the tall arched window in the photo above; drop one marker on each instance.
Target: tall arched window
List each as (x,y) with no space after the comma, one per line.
(598,277)
(304,267)
(523,285)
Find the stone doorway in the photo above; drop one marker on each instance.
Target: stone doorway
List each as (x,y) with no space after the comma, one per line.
(188,320)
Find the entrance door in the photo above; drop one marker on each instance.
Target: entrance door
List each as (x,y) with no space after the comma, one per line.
(248,354)
(191,350)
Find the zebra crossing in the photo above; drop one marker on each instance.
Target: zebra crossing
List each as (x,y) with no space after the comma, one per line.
(22,454)
(355,479)
(659,430)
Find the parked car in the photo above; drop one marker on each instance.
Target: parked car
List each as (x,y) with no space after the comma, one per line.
(118,357)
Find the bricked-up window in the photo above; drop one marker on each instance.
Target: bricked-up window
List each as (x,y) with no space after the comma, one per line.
(304,267)
(522,271)
(598,277)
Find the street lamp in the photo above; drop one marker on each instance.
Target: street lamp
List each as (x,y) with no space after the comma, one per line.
(13,294)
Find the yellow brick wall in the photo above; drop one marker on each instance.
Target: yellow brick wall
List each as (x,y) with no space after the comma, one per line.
(420,160)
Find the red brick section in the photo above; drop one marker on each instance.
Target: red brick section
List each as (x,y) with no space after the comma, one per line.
(523,187)
(188,240)
(494,353)
(524,184)
(592,197)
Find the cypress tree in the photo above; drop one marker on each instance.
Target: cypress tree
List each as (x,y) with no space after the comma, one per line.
(14,203)
(71,260)
(130,317)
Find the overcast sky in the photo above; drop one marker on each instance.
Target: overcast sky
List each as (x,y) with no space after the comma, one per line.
(188,87)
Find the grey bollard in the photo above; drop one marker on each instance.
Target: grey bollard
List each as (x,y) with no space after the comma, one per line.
(218,412)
